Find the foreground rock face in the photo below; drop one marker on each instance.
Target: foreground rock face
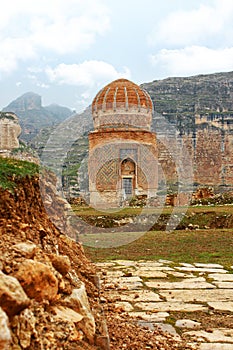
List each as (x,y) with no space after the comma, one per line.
(47,294)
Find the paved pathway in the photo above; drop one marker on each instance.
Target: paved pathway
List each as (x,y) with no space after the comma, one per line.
(192,300)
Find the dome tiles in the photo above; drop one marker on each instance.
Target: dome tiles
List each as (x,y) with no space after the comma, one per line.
(120,99)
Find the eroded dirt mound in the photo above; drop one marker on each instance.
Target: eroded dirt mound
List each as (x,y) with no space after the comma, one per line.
(47,287)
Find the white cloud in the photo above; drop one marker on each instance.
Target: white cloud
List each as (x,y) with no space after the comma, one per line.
(193,60)
(88,77)
(87,74)
(56,26)
(205,26)
(13,50)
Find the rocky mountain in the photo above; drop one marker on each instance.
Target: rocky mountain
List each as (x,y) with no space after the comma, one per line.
(33,116)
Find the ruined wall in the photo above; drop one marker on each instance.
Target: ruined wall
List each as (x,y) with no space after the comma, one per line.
(209,149)
(9,131)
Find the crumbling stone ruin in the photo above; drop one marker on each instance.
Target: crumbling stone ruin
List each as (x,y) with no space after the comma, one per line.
(9,132)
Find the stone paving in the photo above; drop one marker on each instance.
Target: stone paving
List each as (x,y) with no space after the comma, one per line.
(158,292)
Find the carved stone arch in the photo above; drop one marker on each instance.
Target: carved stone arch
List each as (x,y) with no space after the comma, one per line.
(128,167)
(128,176)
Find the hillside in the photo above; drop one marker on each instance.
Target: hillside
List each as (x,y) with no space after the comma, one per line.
(33,116)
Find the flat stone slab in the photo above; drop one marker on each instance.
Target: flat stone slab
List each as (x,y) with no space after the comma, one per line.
(209,266)
(200,269)
(150,317)
(122,279)
(227,285)
(215,346)
(113,274)
(186,265)
(105,264)
(124,286)
(125,262)
(154,268)
(165,261)
(149,263)
(150,273)
(223,335)
(170,306)
(221,305)
(185,323)
(189,283)
(181,274)
(124,305)
(222,277)
(167,328)
(199,295)
(135,296)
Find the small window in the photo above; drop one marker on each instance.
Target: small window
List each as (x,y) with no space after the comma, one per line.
(127,185)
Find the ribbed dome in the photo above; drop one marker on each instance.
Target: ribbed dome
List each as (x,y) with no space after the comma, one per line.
(121,93)
(122,103)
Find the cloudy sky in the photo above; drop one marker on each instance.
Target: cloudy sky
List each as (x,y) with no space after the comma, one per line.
(66,50)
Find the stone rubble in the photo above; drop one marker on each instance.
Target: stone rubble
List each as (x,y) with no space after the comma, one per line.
(173,297)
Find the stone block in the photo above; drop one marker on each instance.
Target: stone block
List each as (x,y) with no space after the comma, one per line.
(12,296)
(38,280)
(5,334)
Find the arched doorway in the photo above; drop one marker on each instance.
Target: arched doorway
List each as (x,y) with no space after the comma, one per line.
(128,177)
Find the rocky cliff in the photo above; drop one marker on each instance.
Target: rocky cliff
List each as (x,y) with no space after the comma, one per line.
(48,288)
(181,100)
(196,113)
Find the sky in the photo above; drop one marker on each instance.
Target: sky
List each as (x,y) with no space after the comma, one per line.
(67,50)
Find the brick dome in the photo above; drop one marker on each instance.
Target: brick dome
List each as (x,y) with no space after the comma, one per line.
(122,103)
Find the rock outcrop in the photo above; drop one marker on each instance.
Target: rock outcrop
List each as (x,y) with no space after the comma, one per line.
(9,132)
(48,291)
(196,113)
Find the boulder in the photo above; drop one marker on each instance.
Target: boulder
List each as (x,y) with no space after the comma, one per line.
(61,263)
(38,280)
(5,334)
(12,296)
(25,249)
(78,301)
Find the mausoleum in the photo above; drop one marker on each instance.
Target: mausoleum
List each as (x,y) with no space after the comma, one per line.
(122,149)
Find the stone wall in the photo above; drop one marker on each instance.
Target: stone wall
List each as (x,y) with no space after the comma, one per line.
(209,151)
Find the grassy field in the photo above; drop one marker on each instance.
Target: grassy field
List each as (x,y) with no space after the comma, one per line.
(205,246)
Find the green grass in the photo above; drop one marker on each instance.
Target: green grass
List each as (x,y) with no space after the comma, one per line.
(11,170)
(206,246)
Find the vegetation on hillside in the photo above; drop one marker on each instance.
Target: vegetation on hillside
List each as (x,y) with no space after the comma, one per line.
(12,170)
